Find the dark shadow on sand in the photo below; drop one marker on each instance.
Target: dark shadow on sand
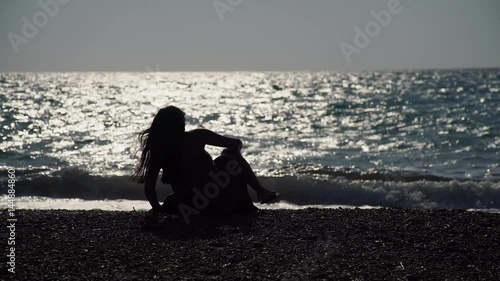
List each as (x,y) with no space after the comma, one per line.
(201,227)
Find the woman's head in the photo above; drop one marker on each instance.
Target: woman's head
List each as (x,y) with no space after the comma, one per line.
(168,120)
(160,143)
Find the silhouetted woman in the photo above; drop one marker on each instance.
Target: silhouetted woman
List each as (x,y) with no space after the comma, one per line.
(189,169)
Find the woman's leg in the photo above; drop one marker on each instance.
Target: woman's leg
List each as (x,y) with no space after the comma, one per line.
(263,194)
(233,197)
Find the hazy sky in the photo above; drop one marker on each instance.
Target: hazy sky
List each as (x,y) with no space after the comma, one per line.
(189,35)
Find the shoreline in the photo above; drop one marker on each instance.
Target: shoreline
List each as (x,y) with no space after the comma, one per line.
(324,244)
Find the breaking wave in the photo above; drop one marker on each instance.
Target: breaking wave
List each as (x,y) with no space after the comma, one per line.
(340,188)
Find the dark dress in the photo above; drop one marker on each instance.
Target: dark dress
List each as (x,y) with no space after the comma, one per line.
(216,183)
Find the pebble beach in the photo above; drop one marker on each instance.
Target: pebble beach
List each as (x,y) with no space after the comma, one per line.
(310,244)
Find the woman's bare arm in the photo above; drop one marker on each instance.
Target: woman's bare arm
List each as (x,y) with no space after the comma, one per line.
(150,187)
(211,138)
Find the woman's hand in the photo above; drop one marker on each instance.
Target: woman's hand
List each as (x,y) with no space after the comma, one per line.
(156,209)
(234,149)
(239,146)
(151,217)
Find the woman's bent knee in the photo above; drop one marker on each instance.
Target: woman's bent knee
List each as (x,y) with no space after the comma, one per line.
(231,152)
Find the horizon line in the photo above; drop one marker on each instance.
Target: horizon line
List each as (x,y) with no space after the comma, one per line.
(225,71)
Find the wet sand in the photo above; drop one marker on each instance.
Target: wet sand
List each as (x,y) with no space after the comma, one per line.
(313,244)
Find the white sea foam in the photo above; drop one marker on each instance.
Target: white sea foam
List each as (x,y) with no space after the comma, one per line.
(117,192)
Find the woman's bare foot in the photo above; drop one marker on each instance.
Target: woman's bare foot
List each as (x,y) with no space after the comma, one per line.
(266,196)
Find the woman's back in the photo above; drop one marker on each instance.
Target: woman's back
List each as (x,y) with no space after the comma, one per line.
(195,162)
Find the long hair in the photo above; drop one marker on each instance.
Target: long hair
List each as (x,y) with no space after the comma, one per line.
(161,144)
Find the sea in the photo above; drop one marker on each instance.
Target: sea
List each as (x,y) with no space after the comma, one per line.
(369,139)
